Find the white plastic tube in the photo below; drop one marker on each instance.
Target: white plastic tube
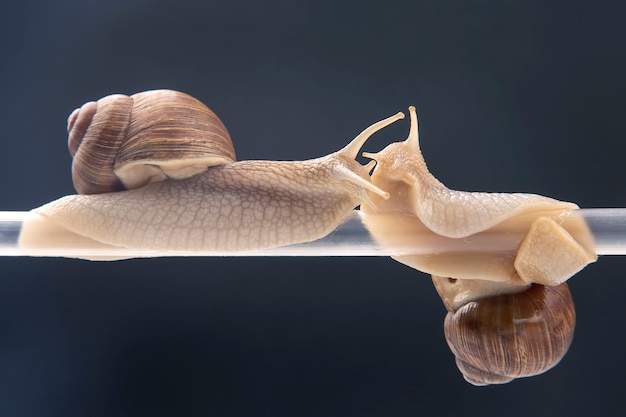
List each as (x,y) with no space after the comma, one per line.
(608,227)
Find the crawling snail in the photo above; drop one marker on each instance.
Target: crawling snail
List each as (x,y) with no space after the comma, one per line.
(157,170)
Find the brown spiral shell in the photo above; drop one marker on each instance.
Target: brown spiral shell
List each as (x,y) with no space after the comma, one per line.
(503,337)
(123,142)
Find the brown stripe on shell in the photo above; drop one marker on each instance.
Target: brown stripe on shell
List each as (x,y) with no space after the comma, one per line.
(510,336)
(77,125)
(92,166)
(172,131)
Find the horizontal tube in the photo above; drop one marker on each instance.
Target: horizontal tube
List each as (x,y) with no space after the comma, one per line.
(351,238)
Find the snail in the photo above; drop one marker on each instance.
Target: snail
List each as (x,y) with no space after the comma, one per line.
(499,332)
(510,313)
(544,241)
(157,170)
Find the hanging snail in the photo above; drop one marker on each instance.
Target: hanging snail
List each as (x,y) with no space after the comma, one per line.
(510,312)
(157,170)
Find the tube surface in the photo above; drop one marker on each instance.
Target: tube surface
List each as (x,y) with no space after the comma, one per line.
(351,238)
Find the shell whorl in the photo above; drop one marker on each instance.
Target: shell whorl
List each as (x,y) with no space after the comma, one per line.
(508,336)
(124,142)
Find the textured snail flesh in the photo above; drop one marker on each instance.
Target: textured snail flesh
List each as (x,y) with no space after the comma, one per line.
(230,206)
(214,211)
(541,239)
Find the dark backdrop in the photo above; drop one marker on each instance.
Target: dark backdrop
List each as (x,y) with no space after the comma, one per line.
(513,96)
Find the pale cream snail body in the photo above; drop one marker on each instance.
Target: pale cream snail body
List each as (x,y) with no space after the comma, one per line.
(551,246)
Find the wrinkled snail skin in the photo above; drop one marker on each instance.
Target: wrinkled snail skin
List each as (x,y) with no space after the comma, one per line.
(542,251)
(502,324)
(507,335)
(219,209)
(183,192)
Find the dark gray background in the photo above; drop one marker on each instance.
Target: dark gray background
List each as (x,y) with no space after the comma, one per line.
(513,96)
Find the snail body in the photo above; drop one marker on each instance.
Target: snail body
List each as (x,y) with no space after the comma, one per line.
(241,206)
(420,202)
(173,183)
(498,334)
(510,314)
